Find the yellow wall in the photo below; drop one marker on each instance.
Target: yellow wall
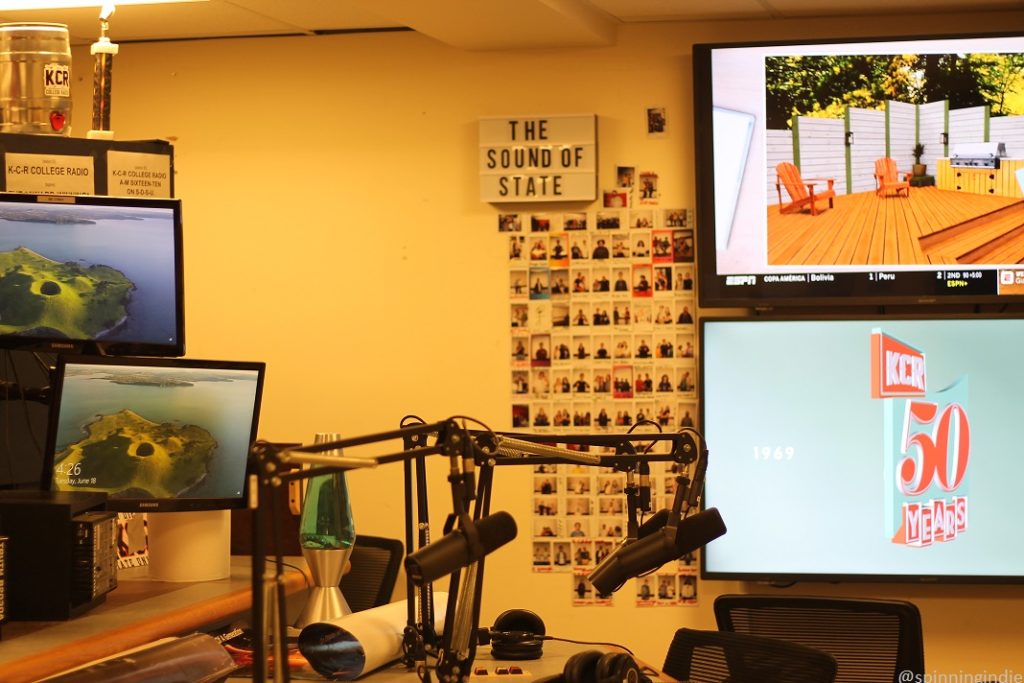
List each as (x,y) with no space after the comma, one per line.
(334,230)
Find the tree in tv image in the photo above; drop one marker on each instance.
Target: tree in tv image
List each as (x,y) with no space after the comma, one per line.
(87,272)
(843,133)
(137,431)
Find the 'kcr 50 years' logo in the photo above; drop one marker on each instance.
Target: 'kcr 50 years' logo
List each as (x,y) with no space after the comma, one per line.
(927,446)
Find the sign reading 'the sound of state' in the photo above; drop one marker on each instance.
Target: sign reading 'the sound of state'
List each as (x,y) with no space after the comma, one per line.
(538,159)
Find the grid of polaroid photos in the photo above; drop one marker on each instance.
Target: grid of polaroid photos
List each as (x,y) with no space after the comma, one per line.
(603,337)
(580,517)
(602,318)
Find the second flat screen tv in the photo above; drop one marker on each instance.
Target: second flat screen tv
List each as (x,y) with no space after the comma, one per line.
(868,171)
(156,435)
(864,449)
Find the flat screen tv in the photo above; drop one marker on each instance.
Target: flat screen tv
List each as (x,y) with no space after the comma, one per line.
(156,435)
(91,274)
(875,171)
(864,449)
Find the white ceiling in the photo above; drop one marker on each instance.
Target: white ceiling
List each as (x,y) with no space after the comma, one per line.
(468,24)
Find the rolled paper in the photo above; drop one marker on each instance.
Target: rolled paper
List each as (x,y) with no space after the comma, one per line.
(346,648)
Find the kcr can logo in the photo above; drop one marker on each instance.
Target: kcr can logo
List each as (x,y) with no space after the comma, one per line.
(57,80)
(927,446)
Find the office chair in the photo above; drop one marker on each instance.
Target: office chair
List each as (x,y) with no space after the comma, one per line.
(872,640)
(371,580)
(722,657)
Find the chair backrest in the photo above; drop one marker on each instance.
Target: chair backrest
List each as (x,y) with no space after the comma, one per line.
(789,176)
(722,657)
(371,580)
(885,168)
(872,640)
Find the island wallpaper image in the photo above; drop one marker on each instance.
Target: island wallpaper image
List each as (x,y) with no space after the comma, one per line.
(154,432)
(86,272)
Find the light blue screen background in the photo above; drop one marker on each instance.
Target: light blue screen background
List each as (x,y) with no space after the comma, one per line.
(807,385)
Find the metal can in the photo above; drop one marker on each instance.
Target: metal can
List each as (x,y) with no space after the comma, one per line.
(35,78)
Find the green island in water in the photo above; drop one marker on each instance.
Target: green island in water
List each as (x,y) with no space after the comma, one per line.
(42,297)
(136,457)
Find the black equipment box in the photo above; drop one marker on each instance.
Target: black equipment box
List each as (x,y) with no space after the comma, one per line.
(61,556)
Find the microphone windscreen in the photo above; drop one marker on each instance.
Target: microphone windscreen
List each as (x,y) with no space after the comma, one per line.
(452,551)
(699,529)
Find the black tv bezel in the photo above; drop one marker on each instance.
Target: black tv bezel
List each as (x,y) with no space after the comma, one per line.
(788,578)
(152,504)
(100,347)
(712,292)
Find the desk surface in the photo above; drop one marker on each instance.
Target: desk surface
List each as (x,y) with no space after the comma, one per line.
(137,612)
(553,662)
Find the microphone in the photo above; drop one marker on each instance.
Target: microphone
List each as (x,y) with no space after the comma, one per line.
(455,550)
(656,548)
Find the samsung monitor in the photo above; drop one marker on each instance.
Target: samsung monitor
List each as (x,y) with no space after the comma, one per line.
(156,435)
(91,274)
(864,449)
(868,171)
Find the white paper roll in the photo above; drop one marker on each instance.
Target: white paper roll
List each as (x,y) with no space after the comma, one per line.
(344,649)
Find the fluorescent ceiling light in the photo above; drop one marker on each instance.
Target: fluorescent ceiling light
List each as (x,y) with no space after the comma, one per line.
(17,5)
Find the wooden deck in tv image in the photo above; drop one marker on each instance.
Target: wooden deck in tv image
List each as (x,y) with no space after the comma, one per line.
(927,225)
(894,159)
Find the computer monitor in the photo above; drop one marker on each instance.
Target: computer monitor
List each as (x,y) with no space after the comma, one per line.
(89,274)
(864,449)
(156,435)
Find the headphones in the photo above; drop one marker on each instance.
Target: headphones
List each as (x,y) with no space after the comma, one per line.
(594,666)
(517,634)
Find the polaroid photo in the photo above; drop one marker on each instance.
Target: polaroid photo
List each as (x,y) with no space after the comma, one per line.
(540,222)
(579,247)
(625,176)
(648,188)
(640,219)
(516,245)
(615,198)
(657,121)
(642,276)
(609,220)
(558,249)
(509,222)
(600,250)
(661,246)
(541,555)
(574,221)
(517,283)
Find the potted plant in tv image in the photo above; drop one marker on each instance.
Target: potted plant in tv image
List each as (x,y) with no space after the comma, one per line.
(919,177)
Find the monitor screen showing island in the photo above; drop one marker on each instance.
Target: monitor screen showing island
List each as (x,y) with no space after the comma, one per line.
(154,434)
(867,171)
(91,275)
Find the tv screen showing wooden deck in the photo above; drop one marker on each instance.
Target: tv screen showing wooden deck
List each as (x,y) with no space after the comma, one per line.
(868,172)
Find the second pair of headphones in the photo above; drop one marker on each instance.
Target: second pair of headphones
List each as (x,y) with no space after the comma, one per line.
(517,634)
(595,666)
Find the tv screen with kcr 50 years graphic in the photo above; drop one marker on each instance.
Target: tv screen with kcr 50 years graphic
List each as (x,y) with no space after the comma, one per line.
(866,171)
(864,449)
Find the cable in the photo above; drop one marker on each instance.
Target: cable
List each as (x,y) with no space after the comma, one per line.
(589,642)
(9,453)
(24,408)
(292,566)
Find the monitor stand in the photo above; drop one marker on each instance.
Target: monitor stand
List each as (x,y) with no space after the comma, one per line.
(189,546)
